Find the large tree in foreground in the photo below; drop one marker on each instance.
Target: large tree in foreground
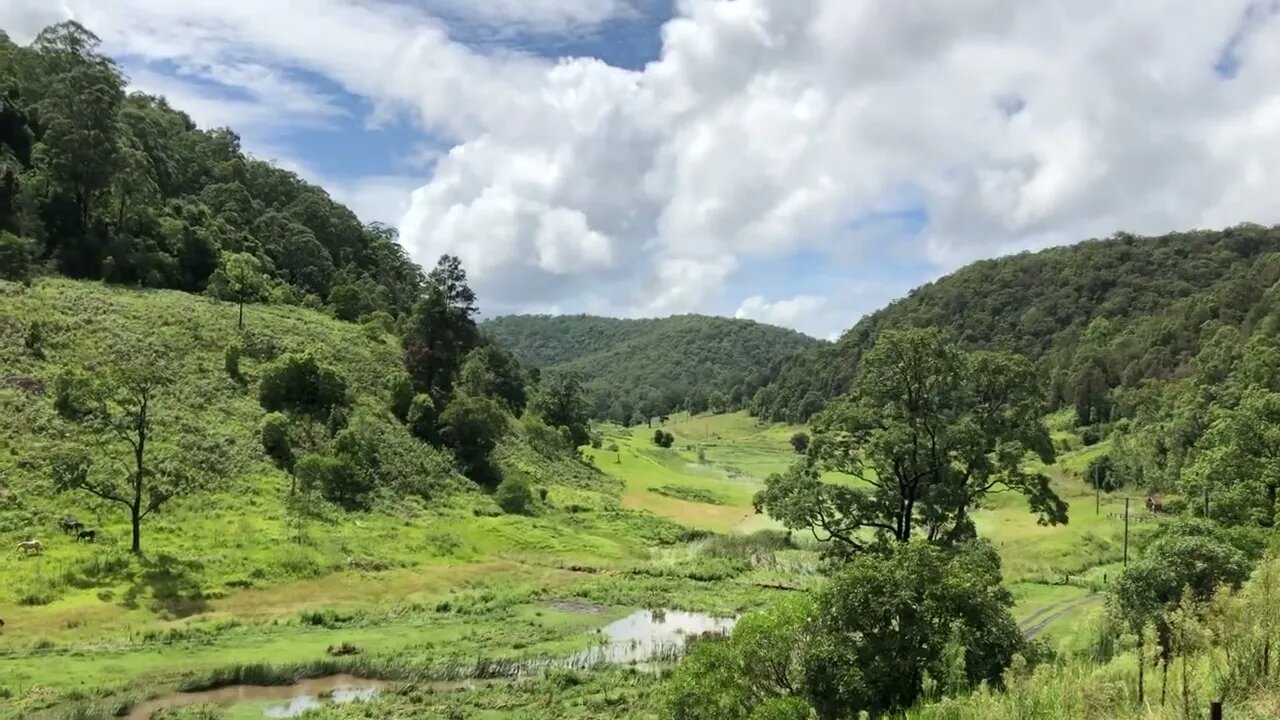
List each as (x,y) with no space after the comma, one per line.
(122,412)
(927,432)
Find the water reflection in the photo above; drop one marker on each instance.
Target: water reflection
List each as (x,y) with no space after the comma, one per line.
(652,635)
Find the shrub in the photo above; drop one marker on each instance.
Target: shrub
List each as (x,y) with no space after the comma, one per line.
(72,392)
(17,257)
(34,342)
(422,418)
(597,440)
(337,480)
(472,426)
(231,360)
(275,441)
(800,442)
(298,383)
(613,447)
(513,495)
(663,439)
(401,397)
(1090,436)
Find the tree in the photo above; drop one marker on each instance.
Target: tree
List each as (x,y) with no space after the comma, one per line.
(663,439)
(79,110)
(1189,558)
(490,371)
(239,277)
(800,442)
(299,384)
(442,330)
(885,622)
(561,403)
(1238,461)
(472,427)
(760,669)
(123,417)
(929,431)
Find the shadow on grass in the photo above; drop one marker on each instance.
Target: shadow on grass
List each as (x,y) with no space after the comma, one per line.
(174,586)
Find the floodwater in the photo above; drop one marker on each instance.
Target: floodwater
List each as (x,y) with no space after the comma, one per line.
(646,636)
(650,635)
(285,701)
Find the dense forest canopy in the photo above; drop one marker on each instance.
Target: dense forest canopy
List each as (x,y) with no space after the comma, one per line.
(98,182)
(1094,316)
(635,369)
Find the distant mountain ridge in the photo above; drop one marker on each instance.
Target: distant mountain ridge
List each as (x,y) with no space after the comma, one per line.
(654,365)
(1118,310)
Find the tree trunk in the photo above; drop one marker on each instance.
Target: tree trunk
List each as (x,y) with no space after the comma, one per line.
(241,325)
(1142,666)
(1186,696)
(1266,658)
(136,518)
(1164,679)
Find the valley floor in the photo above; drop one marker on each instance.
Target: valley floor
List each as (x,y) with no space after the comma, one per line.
(439,594)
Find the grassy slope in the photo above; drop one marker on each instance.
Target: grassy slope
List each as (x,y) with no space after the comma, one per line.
(222,581)
(414,581)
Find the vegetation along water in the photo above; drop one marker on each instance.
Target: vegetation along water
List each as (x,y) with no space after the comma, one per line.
(255,462)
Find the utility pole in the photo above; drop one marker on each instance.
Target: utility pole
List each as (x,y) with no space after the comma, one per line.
(1126,532)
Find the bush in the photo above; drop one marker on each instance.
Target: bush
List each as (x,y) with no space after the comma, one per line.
(336,480)
(422,418)
(663,439)
(401,397)
(17,257)
(72,393)
(514,496)
(800,442)
(1090,436)
(1101,473)
(231,360)
(472,426)
(298,383)
(613,447)
(275,441)
(597,440)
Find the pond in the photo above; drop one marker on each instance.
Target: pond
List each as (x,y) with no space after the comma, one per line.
(651,635)
(646,636)
(284,701)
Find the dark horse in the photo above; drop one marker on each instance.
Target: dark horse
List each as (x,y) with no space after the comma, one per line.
(70,525)
(86,535)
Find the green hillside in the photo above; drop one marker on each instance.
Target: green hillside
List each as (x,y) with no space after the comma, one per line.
(1155,294)
(650,366)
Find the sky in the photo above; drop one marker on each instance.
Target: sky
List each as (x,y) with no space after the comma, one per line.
(797,162)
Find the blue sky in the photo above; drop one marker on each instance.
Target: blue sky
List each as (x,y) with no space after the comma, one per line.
(800,162)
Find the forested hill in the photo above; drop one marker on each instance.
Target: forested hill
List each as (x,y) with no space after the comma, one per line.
(635,368)
(100,183)
(1097,315)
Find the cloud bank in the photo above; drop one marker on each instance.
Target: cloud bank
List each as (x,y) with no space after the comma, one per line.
(764,131)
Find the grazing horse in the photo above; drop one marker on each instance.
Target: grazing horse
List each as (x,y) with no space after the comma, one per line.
(31,547)
(70,525)
(86,535)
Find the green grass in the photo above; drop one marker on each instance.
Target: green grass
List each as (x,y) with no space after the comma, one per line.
(420,583)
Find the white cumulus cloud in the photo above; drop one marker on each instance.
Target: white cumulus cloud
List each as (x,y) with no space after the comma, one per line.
(769,128)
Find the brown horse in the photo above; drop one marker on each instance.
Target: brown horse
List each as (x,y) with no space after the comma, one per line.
(31,547)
